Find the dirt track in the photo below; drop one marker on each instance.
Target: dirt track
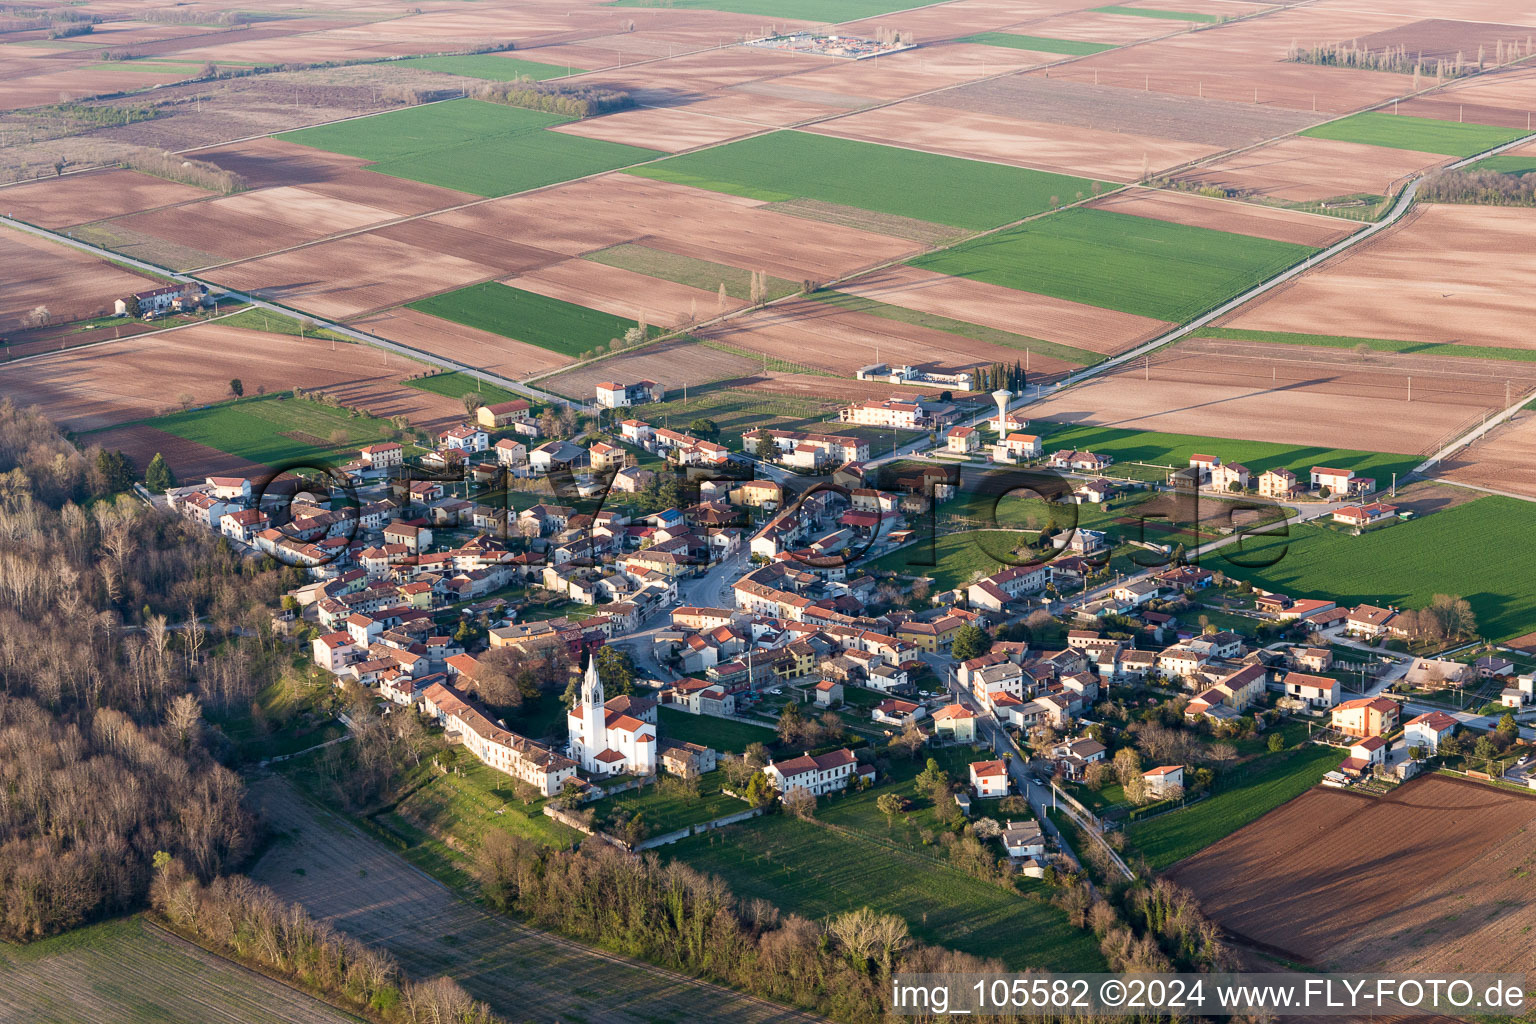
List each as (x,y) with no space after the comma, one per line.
(343,876)
(1434,876)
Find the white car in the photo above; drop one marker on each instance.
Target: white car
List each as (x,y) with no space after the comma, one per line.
(1038,782)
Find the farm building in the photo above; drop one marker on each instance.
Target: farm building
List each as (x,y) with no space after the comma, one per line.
(824,773)
(502,414)
(612,395)
(170,299)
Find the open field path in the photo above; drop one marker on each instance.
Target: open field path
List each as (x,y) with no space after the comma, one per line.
(343,876)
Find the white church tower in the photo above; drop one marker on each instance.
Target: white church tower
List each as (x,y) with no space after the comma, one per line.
(594,715)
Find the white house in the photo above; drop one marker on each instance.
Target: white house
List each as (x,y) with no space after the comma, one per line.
(1023,840)
(1164,781)
(989,778)
(1317,691)
(824,773)
(1427,730)
(897,712)
(384,455)
(465,438)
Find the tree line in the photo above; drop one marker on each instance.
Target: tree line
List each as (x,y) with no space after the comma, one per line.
(239,918)
(555,98)
(1483,188)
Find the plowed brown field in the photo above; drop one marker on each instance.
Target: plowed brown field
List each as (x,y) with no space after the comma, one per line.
(1435,876)
(1291,394)
(670,363)
(1443,274)
(71,284)
(1504,459)
(1316,230)
(1304,169)
(79,198)
(480,349)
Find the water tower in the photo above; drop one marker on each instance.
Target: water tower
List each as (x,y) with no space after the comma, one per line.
(1001,397)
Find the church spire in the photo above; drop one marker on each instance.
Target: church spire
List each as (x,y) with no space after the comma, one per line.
(592,686)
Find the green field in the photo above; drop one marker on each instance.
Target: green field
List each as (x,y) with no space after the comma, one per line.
(695,273)
(959,556)
(1154,12)
(555,324)
(489,66)
(663,809)
(273,429)
(799,10)
(1423,134)
(1506,163)
(1152,268)
(1253,792)
(486,149)
(723,734)
(1480,550)
(1176,449)
(456,385)
(807,868)
(977,332)
(1427,348)
(474,800)
(798,165)
(1040,44)
(128,972)
(256,319)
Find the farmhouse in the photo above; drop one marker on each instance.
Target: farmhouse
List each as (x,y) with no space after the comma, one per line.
(899,413)
(1317,691)
(502,414)
(1083,462)
(465,438)
(994,592)
(1367,716)
(824,773)
(611,395)
(1367,620)
(831,447)
(505,751)
(1023,840)
(1341,482)
(1363,517)
(170,298)
(1365,754)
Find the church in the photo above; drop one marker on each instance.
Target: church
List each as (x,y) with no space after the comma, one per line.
(616,737)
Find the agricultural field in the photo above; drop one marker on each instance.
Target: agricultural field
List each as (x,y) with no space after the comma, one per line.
(785,166)
(802,10)
(724,735)
(806,867)
(1175,450)
(1157,12)
(336,872)
(1339,903)
(129,971)
(1151,268)
(662,808)
(954,559)
(490,66)
(1475,550)
(1427,348)
(274,429)
(1386,288)
(690,271)
(456,385)
(1066,47)
(1312,397)
(1420,134)
(1244,795)
(552,324)
(486,149)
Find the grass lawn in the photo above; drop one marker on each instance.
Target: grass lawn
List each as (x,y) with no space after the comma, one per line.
(1253,791)
(958,556)
(489,66)
(1506,163)
(1258,456)
(978,332)
(723,734)
(799,165)
(455,384)
(1424,134)
(273,429)
(1153,12)
(1040,44)
(696,273)
(1117,261)
(487,149)
(475,800)
(800,10)
(664,810)
(1480,550)
(808,868)
(555,324)
(1428,348)
(254,319)
(539,719)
